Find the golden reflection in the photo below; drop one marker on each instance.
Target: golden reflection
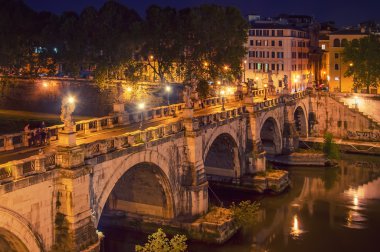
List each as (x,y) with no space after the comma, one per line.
(295,231)
(356,200)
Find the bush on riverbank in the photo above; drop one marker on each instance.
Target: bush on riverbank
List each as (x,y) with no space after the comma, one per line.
(158,241)
(245,213)
(330,148)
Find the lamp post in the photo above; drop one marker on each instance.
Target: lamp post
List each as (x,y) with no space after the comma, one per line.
(265,91)
(222,93)
(168,89)
(141,107)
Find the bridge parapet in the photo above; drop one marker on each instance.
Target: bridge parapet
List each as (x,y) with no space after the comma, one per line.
(222,116)
(259,106)
(20,139)
(36,164)
(27,167)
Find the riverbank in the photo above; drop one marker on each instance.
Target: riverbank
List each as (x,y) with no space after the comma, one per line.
(354,147)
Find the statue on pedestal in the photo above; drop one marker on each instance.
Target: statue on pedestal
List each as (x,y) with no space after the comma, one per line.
(67,108)
(186,97)
(120,93)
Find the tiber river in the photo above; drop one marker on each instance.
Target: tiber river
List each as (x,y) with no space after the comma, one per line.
(326,209)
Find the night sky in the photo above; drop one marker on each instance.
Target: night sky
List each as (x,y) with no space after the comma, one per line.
(343,12)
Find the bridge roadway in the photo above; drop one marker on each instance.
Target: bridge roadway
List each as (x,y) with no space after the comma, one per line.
(106,133)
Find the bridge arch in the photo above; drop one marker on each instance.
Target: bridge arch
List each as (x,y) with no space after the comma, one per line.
(17,233)
(301,120)
(270,136)
(132,169)
(221,156)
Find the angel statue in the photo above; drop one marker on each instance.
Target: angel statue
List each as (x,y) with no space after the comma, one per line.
(67,108)
(120,93)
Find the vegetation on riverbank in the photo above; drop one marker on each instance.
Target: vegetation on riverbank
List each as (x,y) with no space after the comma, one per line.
(158,241)
(330,148)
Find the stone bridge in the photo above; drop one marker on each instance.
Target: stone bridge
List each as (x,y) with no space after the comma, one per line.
(55,200)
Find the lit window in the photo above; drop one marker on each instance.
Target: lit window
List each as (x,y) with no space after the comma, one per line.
(336,78)
(323,47)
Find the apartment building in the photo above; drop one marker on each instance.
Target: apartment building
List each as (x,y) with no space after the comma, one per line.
(278,53)
(335,66)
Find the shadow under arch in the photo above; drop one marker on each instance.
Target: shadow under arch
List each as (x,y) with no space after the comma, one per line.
(142,190)
(222,159)
(301,122)
(271,137)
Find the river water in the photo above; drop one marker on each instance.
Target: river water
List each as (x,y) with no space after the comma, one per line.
(326,209)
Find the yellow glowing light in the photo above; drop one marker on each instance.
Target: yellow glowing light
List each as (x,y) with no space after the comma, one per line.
(218,82)
(141,105)
(257,78)
(229,90)
(205,63)
(151,57)
(351,64)
(265,85)
(245,62)
(70,99)
(45,85)
(129,89)
(222,92)
(225,67)
(168,88)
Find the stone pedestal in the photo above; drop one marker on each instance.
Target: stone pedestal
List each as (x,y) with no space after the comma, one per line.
(69,157)
(119,107)
(188,113)
(67,139)
(249,100)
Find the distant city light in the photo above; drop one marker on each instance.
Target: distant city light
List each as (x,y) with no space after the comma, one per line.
(141,105)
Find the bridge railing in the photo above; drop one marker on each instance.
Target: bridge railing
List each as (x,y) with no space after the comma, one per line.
(204,120)
(99,147)
(21,139)
(26,167)
(15,170)
(279,100)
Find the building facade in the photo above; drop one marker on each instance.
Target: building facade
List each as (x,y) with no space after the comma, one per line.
(335,65)
(278,53)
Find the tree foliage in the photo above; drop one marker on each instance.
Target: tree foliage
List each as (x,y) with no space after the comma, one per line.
(204,42)
(245,213)
(364,58)
(203,89)
(330,148)
(158,241)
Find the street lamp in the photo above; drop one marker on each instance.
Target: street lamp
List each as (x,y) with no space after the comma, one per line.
(141,107)
(295,83)
(265,91)
(168,89)
(222,93)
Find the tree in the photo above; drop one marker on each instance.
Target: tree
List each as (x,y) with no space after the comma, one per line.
(159,242)
(363,56)
(203,89)
(161,43)
(213,40)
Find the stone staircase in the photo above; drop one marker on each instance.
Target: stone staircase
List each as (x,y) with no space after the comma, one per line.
(374,123)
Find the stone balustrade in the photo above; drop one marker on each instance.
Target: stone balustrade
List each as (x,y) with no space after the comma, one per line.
(26,167)
(40,163)
(277,101)
(20,139)
(204,120)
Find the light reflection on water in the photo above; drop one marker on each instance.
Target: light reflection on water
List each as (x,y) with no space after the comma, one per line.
(325,210)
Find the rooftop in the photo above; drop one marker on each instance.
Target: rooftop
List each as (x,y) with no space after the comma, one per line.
(258,25)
